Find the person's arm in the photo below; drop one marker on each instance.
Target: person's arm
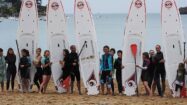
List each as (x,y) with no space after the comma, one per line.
(140,67)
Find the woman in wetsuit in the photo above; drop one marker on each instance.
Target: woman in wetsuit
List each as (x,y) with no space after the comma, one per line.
(46,65)
(11,69)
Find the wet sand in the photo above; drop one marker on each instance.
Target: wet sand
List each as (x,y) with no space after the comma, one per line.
(53,98)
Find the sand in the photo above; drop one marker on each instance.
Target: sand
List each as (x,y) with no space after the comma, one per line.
(52,98)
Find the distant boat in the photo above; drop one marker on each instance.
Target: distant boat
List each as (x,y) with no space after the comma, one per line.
(13,18)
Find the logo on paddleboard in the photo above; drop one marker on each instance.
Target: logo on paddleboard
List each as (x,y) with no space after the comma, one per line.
(28,4)
(80,5)
(168,4)
(54,6)
(138,3)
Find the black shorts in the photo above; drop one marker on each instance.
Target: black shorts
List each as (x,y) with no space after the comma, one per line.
(104,76)
(47,72)
(144,76)
(75,74)
(25,73)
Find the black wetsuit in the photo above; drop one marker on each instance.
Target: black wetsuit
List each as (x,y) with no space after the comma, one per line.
(144,75)
(24,71)
(66,68)
(74,58)
(159,71)
(117,66)
(46,70)
(151,71)
(11,70)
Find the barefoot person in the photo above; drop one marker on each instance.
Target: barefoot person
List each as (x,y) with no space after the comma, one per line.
(39,72)
(106,70)
(160,72)
(2,69)
(75,73)
(118,67)
(144,75)
(46,65)
(24,66)
(112,52)
(66,65)
(11,69)
(179,82)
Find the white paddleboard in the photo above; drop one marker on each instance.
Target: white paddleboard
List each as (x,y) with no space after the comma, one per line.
(173,39)
(57,39)
(27,35)
(87,45)
(135,31)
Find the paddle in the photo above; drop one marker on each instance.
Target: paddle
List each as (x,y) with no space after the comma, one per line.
(183,92)
(85,44)
(134,53)
(17,45)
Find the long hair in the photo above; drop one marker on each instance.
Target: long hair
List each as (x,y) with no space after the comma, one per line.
(46,52)
(146,54)
(10,49)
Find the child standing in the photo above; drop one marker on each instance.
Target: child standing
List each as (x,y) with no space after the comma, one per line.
(2,69)
(179,79)
(24,70)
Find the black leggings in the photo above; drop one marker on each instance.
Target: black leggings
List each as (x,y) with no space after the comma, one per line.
(119,81)
(38,77)
(11,74)
(178,87)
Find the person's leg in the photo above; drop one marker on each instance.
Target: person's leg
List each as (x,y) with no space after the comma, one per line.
(2,86)
(103,81)
(36,80)
(44,80)
(118,82)
(112,86)
(72,82)
(13,79)
(159,88)
(77,74)
(145,83)
(163,78)
(150,79)
(8,75)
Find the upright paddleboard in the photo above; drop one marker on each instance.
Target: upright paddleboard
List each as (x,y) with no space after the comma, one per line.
(87,45)
(57,39)
(27,35)
(135,31)
(173,39)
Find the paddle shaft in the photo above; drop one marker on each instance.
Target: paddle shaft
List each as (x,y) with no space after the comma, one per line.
(136,77)
(83,47)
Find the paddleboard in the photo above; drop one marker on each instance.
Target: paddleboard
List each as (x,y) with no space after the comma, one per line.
(135,31)
(173,39)
(87,45)
(27,34)
(57,39)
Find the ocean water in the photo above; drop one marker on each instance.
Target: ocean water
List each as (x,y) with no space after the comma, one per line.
(109,28)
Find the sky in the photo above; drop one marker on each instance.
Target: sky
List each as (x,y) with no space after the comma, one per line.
(116,6)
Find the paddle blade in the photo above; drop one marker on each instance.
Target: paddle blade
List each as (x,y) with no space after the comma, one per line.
(134,49)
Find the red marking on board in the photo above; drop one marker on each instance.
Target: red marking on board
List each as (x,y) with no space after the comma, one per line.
(80,5)
(168,4)
(28,4)
(138,3)
(54,5)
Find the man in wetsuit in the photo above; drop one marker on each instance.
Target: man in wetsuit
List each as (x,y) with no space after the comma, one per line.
(159,71)
(75,73)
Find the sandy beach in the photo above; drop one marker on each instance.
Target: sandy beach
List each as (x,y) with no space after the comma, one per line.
(52,98)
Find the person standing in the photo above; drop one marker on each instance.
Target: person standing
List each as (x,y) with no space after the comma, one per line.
(112,52)
(2,69)
(46,65)
(24,66)
(75,73)
(11,69)
(118,67)
(160,71)
(37,63)
(151,71)
(145,69)
(106,70)
(66,66)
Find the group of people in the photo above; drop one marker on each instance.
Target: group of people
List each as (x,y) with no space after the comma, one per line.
(153,70)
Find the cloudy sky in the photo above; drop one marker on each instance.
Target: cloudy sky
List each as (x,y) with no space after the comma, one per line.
(116,6)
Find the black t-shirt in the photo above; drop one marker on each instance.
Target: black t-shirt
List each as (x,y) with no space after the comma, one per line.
(118,64)
(158,57)
(11,61)
(74,58)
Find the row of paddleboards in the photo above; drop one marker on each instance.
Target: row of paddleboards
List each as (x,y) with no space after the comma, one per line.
(135,32)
